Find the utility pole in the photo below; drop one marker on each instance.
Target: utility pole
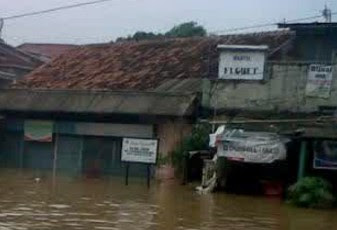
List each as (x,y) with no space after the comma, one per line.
(327,14)
(1,26)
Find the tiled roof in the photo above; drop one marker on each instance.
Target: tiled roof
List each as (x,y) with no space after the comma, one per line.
(45,50)
(142,65)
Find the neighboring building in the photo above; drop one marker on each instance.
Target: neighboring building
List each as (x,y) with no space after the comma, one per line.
(14,64)
(84,129)
(275,95)
(80,93)
(314,41)
(296,96)
(45,51)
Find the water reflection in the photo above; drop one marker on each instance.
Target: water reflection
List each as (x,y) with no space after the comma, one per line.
(76,203)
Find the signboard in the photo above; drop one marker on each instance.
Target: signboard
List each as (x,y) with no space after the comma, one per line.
(242,62)
(325,155)
(36,130)
(253,147)
(140,150)
(319,81)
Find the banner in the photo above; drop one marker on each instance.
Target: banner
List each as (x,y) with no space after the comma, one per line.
(36,130)
(325,155)
(253,147)
(319,81)
(139,150)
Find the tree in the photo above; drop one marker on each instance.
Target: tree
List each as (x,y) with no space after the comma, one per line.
(188,29)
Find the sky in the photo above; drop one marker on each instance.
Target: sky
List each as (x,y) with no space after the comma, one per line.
(106,21)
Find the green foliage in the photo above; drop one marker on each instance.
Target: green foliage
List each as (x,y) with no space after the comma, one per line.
(188,29)
(163,160)
(197,140)
(311,192)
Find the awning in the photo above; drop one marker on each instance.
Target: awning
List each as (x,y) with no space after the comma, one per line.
(101,102)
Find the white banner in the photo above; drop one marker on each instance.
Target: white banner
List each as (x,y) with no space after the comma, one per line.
(253,147)
(241,64)
(139,150)
(319,81)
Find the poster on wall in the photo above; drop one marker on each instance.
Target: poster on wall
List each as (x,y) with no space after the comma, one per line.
(325,155)
(242,62)
(139,150)
(36,130)
(319,81)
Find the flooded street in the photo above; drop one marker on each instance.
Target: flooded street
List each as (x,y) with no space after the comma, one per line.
(80,203)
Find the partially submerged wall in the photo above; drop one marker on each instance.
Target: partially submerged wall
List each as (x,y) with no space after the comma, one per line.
(283,90)
(170,134)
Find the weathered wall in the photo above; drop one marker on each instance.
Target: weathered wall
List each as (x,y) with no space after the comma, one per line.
(171,133)
(282,90)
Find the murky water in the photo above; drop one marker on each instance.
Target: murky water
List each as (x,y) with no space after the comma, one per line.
(80,203)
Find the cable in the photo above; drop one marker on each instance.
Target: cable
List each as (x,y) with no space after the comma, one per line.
(267,24)
(53,9)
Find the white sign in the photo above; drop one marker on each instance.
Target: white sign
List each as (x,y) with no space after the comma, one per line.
(242,63)
(319,81)
(139,150)
(253,147)
(325,154)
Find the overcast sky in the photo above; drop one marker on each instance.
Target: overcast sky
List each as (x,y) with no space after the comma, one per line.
(106,21)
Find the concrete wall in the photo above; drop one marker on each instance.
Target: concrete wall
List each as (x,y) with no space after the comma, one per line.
(282,90)
(171,133)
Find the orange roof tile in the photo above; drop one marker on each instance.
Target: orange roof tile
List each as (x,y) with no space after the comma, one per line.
(140,65)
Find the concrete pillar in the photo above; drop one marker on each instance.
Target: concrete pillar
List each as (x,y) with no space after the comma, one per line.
(302,160)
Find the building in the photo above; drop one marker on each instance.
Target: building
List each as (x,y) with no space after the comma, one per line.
(295,96)
(81,131)
(92,96)
(164,71)
(14,64)
(45,51)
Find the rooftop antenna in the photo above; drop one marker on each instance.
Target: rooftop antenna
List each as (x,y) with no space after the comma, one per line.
(326,13)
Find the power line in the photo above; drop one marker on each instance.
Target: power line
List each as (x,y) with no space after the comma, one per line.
(268,24)
(54,9)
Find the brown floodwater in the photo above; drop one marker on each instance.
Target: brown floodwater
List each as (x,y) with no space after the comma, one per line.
(81,203)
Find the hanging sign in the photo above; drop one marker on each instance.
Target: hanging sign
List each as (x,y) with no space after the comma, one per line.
(36,130)
(242,62)
(252,147)
(139,150)
(319,81)
(325,155)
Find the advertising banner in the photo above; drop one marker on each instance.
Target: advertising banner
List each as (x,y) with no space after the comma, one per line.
(253,147)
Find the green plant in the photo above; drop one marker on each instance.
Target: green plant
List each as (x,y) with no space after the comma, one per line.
(163,160)
(197,140)
(311,192)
